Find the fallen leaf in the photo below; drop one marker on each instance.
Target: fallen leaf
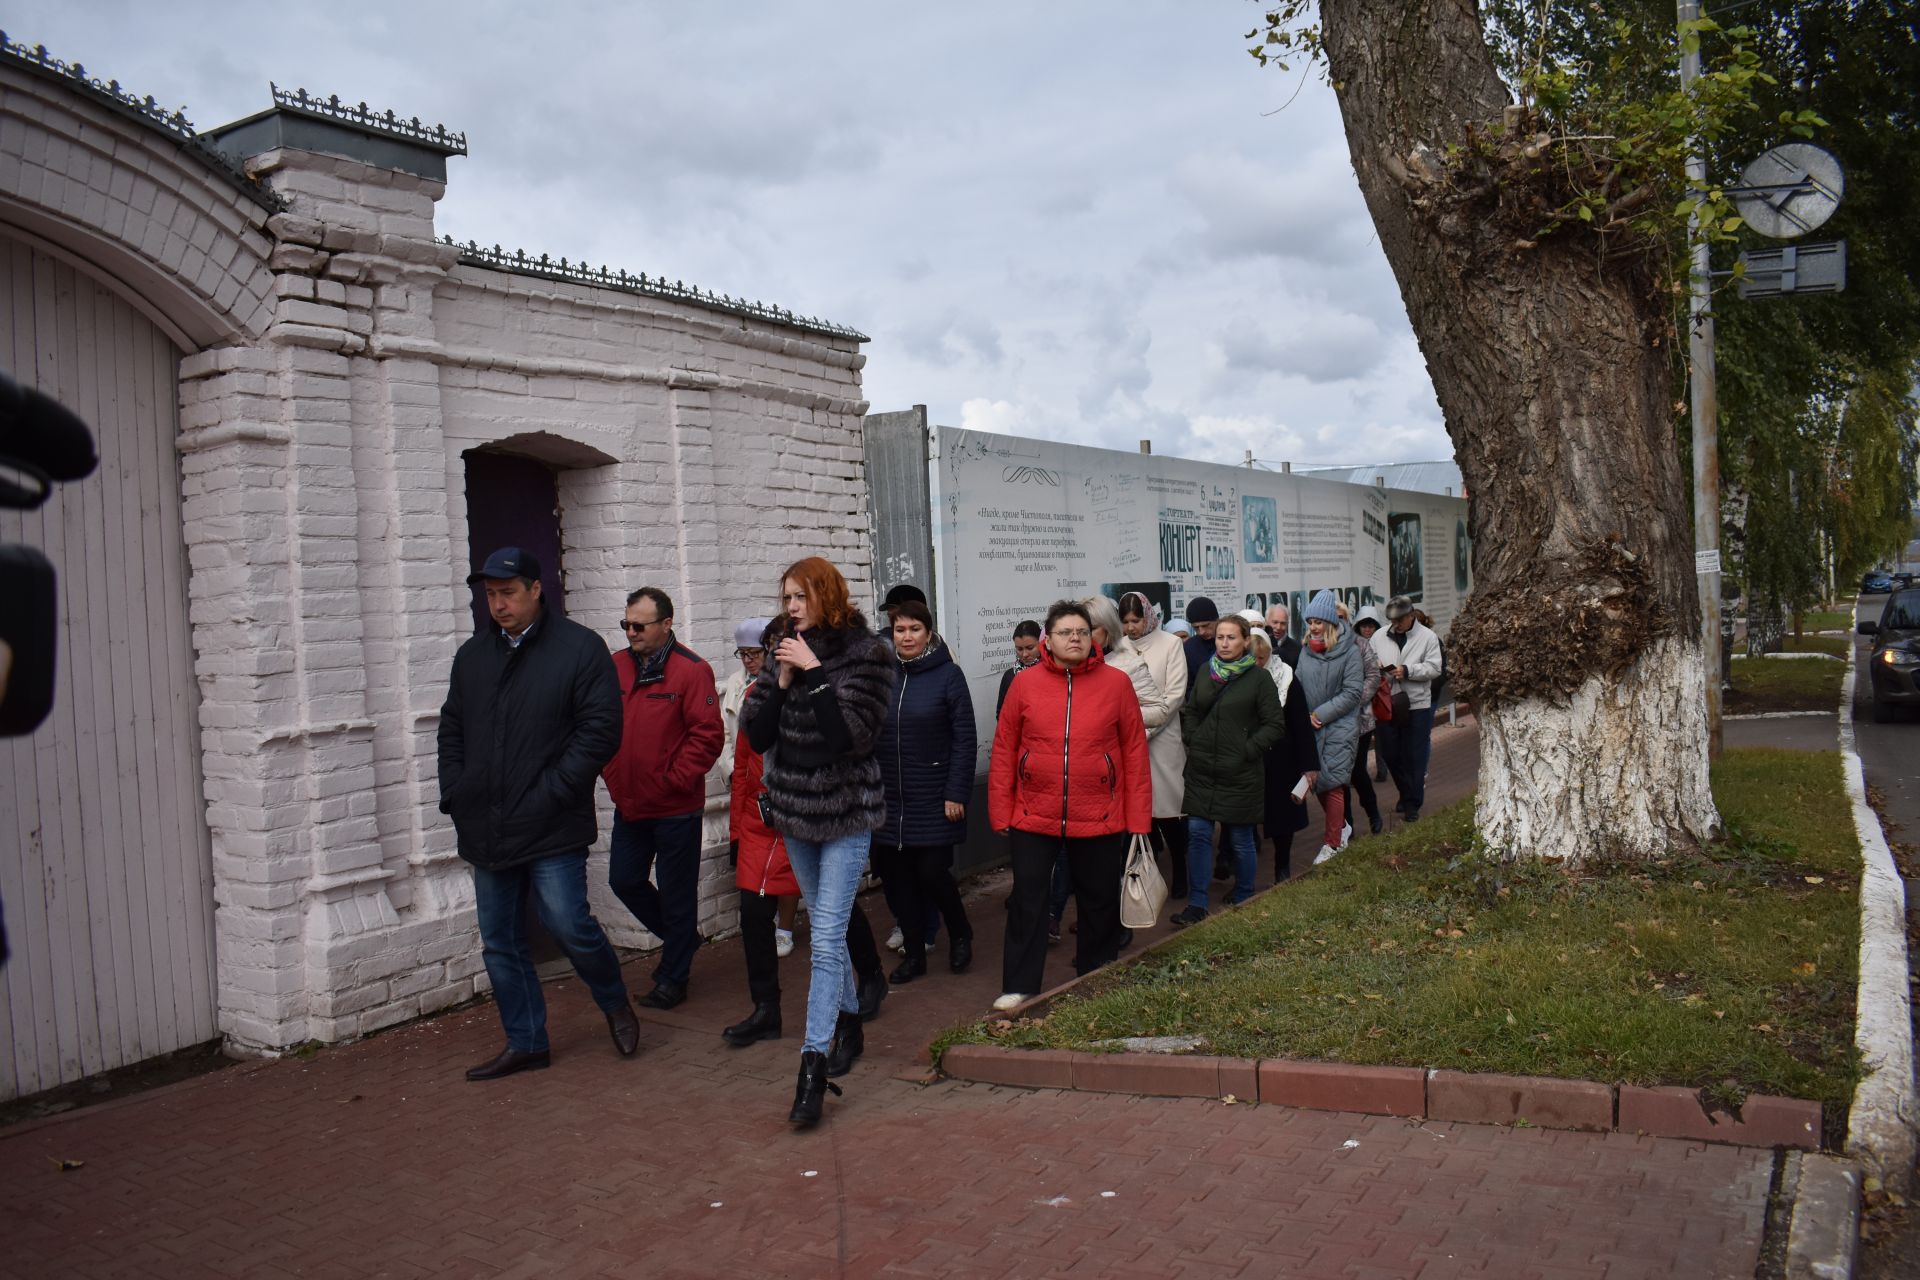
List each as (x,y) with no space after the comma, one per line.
(1806,970)
(66,1166)
(1816,879)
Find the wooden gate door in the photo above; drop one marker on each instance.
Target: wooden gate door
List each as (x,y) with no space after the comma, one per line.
(105,869)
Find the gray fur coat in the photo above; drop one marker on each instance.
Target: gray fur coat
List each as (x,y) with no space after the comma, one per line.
(821,778)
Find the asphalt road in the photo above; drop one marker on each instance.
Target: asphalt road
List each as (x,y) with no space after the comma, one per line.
(1889,753)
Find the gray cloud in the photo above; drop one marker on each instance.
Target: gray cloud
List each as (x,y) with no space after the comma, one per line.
(1036,229)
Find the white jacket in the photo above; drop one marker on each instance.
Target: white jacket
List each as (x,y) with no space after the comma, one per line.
(1419,652)
(1166,661)
(733,692)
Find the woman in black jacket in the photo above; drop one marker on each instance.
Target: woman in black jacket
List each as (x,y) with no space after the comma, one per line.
(817,723)
(927,752)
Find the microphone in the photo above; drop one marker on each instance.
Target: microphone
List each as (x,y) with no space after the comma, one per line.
(42,442)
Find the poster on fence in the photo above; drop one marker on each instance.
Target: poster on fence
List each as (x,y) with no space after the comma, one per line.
(1021,523)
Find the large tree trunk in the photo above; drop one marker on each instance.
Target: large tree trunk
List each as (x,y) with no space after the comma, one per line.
(1580,645)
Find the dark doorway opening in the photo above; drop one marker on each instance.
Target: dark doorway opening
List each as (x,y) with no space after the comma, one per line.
(513,501)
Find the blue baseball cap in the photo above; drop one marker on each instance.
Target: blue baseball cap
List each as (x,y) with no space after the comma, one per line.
(507,562)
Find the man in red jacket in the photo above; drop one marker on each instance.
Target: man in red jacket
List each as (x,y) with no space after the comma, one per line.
(670,737)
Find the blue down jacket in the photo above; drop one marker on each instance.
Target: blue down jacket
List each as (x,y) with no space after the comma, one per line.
(926,751)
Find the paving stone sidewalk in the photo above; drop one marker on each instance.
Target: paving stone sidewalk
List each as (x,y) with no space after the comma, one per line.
(378,1159)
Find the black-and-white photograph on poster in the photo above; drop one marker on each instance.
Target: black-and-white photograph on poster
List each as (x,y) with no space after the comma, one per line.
(1159,593)
(1259,529)
(1403,555)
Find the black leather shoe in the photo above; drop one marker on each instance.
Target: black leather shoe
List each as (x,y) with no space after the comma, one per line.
(960,954)
(870,992)
(665,995)
(1192,915)
(810,1091)
(1374,820)
(849,1042)
(625,1028)
(907,970)
(510,1061)
(762,1024)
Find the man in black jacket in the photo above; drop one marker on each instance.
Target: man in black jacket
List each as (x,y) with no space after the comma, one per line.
(532,715)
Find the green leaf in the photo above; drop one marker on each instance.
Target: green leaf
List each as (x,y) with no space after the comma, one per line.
(1586,213)
(1732,224)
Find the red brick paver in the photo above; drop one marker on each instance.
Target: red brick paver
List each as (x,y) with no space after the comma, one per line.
(379,1160)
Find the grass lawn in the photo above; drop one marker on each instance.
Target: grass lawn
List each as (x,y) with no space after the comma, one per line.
(1733,970)
(1784,684)
(1826,620)
(1838,646)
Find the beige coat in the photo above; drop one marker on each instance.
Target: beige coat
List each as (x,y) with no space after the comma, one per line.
(1166,662)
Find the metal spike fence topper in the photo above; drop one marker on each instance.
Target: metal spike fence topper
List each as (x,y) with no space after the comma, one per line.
(360,115)
(603,277)
(113,94)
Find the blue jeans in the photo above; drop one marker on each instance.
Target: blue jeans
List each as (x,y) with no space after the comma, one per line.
(559,888)
(669,849)
(1416,748)
(1246,857)
(829,873)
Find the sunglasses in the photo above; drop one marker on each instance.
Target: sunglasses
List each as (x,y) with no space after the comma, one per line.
(634,628)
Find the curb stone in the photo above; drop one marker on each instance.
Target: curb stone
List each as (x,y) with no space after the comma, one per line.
(1823,1232)
(1462,1097)
(1885,1112)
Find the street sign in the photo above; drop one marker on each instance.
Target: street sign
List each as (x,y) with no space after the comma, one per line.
(1806,268)
(1789,190)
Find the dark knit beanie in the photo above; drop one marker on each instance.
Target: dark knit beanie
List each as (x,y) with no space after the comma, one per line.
(1201,609)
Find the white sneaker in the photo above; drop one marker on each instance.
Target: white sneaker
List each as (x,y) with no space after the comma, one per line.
(1326,852)
(783,942)
(1010,1000)
(896,941)
(1346,834)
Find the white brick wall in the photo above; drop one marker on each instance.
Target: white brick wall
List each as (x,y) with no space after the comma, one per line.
(343,362)
(329,540)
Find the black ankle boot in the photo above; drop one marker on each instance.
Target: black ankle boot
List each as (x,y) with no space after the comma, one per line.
(762,1024)
(849,1042)
(810,1091)
(871,990)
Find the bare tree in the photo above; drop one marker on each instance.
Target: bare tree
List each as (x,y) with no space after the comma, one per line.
(1580,645)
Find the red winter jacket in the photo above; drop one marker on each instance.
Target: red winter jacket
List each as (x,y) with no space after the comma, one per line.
(763,867)
(1070,753)
(670,736)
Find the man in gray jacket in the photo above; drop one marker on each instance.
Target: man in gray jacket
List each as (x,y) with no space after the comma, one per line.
(1410,653)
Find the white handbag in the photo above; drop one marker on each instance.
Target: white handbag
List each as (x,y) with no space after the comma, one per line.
(1143,890)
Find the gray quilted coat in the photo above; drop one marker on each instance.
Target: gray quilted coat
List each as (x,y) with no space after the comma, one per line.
(1334,683)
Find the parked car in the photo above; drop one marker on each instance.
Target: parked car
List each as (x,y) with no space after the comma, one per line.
(1894,668)
(1876,583)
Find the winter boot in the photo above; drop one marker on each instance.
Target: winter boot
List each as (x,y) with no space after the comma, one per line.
(849,1042)
(810,1091)
(762,1024)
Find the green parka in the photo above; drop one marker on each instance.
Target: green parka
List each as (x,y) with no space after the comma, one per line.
(1227,729)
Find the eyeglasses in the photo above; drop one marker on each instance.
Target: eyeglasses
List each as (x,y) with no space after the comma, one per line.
(749,653)
(1072,635)
(634,628)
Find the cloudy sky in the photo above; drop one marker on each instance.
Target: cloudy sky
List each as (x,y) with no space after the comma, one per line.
(1081,222)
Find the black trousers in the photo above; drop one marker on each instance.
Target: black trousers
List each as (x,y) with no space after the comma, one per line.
(1096,863)
(915,877)
(1362,780)
(759,916)
(1173,838)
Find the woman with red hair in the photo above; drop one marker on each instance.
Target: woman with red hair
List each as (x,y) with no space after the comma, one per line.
(816,724)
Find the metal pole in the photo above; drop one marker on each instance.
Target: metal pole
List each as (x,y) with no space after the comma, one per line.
(1706,415)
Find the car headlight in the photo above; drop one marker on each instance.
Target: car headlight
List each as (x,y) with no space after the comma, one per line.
(1899,658)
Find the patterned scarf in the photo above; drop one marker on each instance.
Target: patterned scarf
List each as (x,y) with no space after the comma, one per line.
(1225,672)
(1148,610)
